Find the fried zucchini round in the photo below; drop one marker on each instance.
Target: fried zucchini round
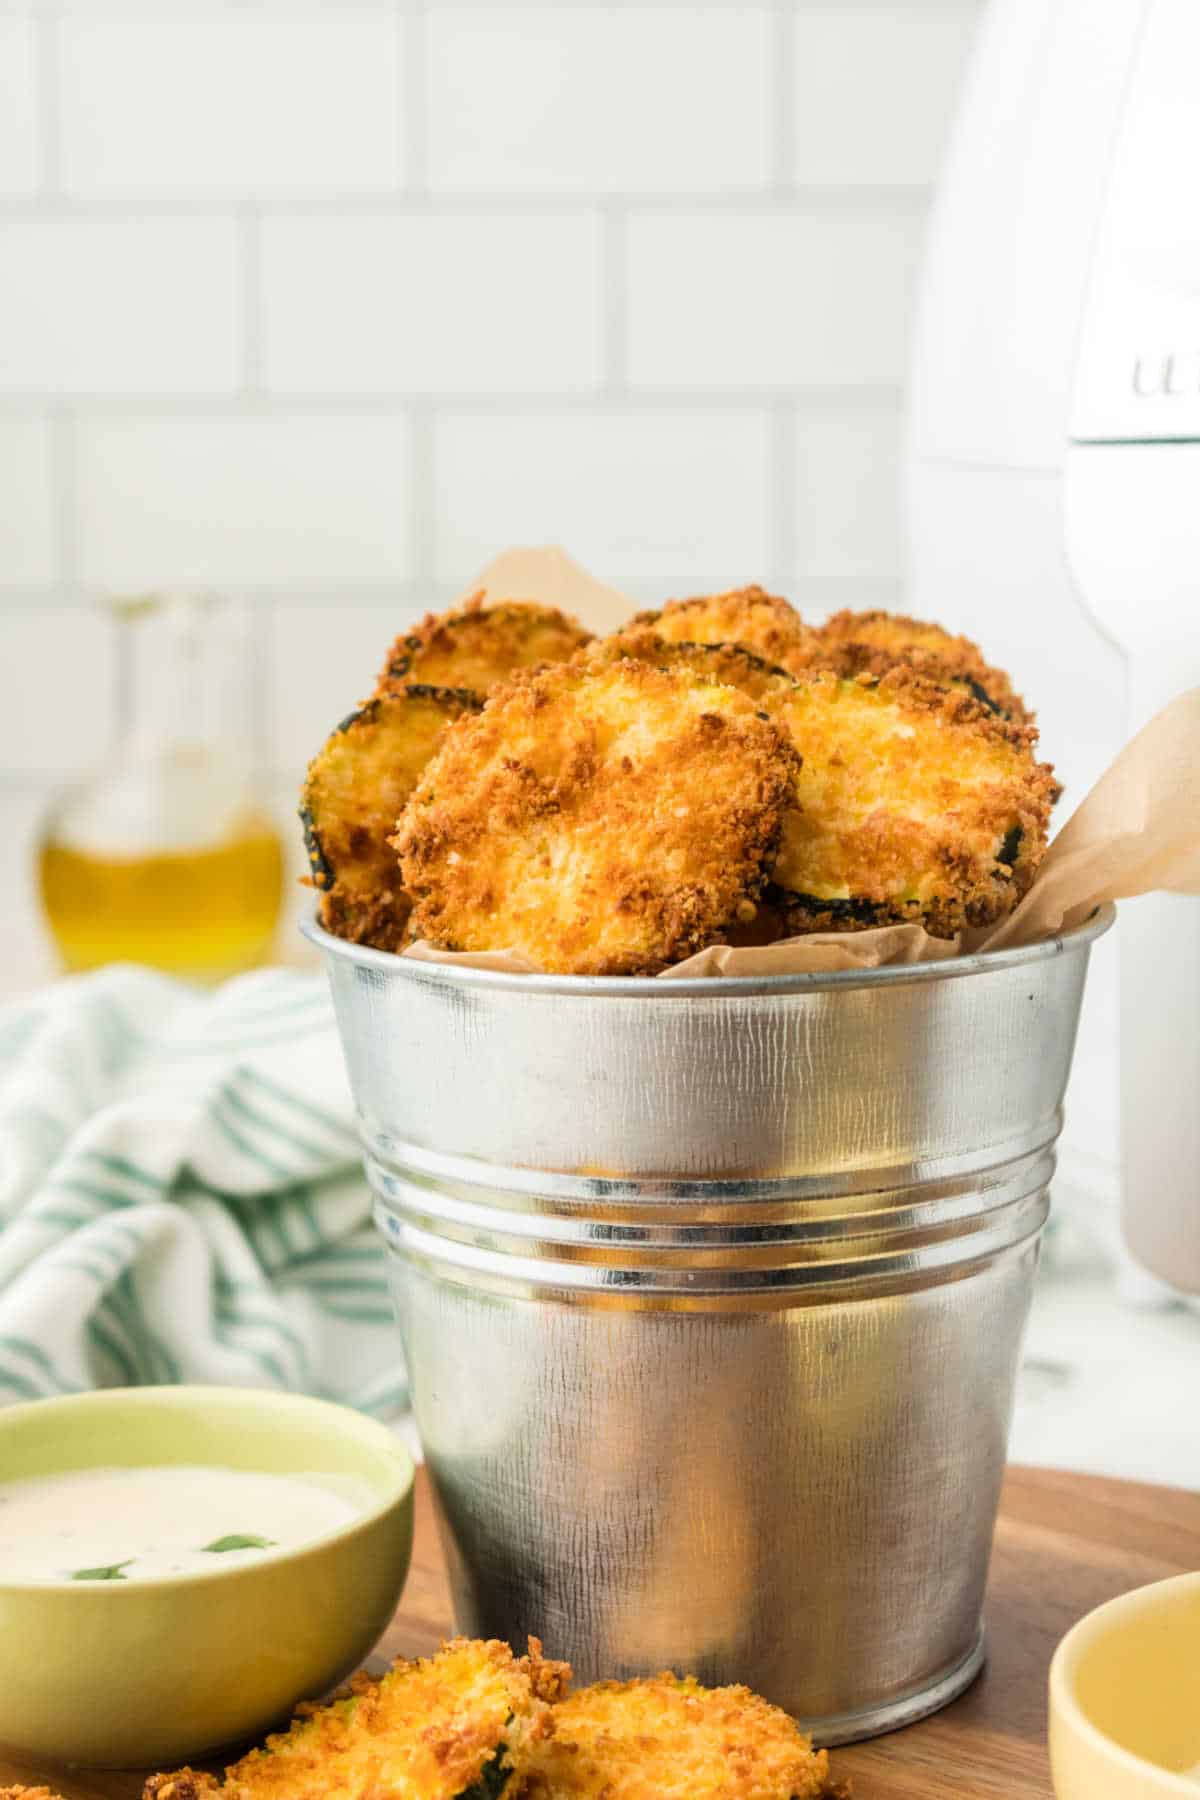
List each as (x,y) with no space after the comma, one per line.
(915,802)
(604,819)
(353,794)
(763,623)
(671,1739)
(858,643)
(446,1727)
(478,646)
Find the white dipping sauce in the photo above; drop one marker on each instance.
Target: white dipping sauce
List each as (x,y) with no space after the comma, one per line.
(154,1523)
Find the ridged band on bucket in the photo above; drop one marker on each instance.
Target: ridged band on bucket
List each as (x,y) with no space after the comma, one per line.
(706,1242)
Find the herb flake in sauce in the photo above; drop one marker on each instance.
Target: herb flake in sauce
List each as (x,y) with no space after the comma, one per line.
(239,1540)
(106,1572)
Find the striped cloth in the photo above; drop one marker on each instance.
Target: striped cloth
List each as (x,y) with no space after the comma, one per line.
(181,1197)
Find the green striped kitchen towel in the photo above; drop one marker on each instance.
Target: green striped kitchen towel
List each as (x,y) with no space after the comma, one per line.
(181,1197)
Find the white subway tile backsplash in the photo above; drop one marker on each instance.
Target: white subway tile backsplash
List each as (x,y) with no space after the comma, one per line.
(325,659)
(589,97)
(847,502)
(773,299)
(27,550)
(874,88)
(231,103)
(281,501)
(117,306)
(327,300)
(389,302)
(673,497)
(18,106)
(64,653)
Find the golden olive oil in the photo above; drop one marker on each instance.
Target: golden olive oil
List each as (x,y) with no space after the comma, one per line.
(205,912)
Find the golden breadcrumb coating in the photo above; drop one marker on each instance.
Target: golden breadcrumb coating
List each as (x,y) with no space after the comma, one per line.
(477,646)
(600,819)
(857,643)
(729,663)
(915,802)
(27,1793)
(671,1739)
(429,1730)
(764,623)
(354,791)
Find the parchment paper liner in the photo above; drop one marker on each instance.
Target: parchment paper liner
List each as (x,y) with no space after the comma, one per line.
(1136,832)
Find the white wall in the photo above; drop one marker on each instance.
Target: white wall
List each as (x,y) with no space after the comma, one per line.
(324,304)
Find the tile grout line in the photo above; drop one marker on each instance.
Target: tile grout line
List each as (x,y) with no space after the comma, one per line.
(411,596)
(908,200)
(413,50)
(781,99)
(48,78)
(422,487)
(613,312)
(523,402)
(783,538)
(64,489)
(250,300)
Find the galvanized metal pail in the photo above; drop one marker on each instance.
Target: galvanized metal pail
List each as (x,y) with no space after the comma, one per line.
(712,1294)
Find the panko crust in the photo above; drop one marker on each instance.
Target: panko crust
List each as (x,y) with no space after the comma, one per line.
(869,643)
(355,788)
(428,1730)
(916,804)
(729,663)
(477,646)
(602,819)
(668,1738)
(766,624)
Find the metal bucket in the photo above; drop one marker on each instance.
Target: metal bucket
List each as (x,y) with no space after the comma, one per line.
(712,1294)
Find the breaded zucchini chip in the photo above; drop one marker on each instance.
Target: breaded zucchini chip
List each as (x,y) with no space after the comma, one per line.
(671,1739)
(353,795)
(600,819)
(763,623)
(477,646)
(444,1728)
(916,803)
(857,643)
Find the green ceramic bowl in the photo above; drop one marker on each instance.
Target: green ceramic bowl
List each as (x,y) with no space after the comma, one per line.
(151,1674)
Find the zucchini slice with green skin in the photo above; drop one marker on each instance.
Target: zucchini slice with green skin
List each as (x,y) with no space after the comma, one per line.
(915,804)
(477,646)
(355,790)
(446,1727)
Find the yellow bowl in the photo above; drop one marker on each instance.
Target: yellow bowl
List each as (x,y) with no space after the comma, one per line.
(153,1673)
(1125,1697)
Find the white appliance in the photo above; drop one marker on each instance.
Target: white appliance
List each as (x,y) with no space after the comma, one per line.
(1053,496)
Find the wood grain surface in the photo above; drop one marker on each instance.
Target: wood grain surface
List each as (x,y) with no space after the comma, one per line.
(1064,1544)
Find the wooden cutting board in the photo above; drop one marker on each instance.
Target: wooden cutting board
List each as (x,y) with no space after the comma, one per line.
(1064,1544)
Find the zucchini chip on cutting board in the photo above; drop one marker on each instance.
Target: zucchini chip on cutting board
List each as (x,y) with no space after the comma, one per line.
(443,1728)
(355,791)
(600,819)
(478,646)
(667,1738)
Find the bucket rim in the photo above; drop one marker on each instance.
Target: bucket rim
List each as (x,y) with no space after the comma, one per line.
(951,968)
